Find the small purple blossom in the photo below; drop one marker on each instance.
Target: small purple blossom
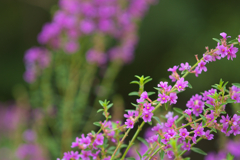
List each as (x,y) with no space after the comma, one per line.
(183,132)
(147,116)
(129,123)
(173,98)
(199,131)
(148,107)
(163,98)
(208,135)
(185,66)
(231,52)
(181,84)
(222,50)
(235,129)
(144,95)
(202,66)
(186,146)
(99,139)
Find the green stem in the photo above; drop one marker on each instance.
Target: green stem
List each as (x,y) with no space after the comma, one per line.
(151,152)
(155,152)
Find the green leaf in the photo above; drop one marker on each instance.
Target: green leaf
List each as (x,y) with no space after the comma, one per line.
(233,41)
(134,94)
(236,84)
(124,146)
(178,110)
(204,118)
(130,158)
(150,123)
(162,153)
(101,102)
(189,85)
(238,111)
(100,110)
(209,105)
(230,157)
(166,106)
(135,105)
(150,93)
(97,124)
(183,72)
(231,101)
(134,82)
(214,130)
(142,140)
(156,118)
(146,81)
(198,150)
(137,77)
(140,156)
(217,40)
(187,158)
(110,105)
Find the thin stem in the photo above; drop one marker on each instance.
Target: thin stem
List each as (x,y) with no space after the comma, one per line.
(151,152)
(155,152)
(120,143)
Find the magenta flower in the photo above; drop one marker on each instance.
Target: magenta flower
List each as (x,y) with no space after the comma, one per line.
(225,120)
(144,95)
(158,127)
(148,107)
(235,129)
(208,135)
(202,66)
(163,98)
(181,84)
(197,71)
(207,58)
(183,132)
(84,141)
(231,52)
(147,116)
(199,131)
(235,119)
(99,139)
(225,129)
(164,86)
(173,98)
(185,66)
(222,50)
(174,69)
(188,112)
(129,123)
(186,146)
(224,35)
(169,115)
(85,155)
(239,38)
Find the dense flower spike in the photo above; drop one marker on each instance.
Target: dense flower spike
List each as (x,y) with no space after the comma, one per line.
(168,136)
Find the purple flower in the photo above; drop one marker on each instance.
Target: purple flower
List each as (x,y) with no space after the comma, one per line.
(152,139)
(163,98)
(174,69)
(225,129)
(147,116)
(164,86)
(144,95)
(236,96)
(194,140)
(208,135)
(181,84)
(129,123)
(199,131)
(183,132)
(235,119)
(239,38)
(84,155)
(85,141)
(99,139)
(185,66)
(173,98)
(158,127)
(222,50)
(202,66)
(231,52)
(171,121)
(147,107)
(169,115)
(107,158)
(71,47)
(224,35)
(196,104)
(186,146)
(235,129)
(207,58)
(225,120)
(87,26)
(188,112)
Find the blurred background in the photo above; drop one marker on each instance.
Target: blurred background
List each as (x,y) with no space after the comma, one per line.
(172,32)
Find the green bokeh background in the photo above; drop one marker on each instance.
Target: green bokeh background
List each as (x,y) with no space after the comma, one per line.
(172,32)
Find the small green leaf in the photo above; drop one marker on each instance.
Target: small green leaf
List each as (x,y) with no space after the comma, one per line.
(183,72)
(166,106)
(97,124)
(189,85)
(134,82)
(230,157)
(198,150)
(187,158)
(233,41)
(134,94)
(178,110)
(238,111)
(236,84)
(100,110)
(137,77)
(150,123)
(231,101)
(130,158)
(214,130)
(156,118)
(146,81)
(124,146)
(217,40)
(204,118)
(162,153)
(142,140)
(135,105)
(140,156)
(101,102)
(109,106)
(150,93)
(209,105)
